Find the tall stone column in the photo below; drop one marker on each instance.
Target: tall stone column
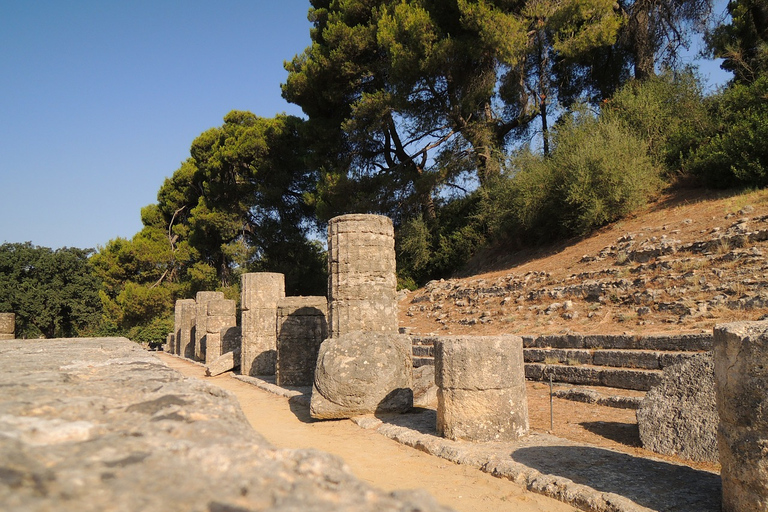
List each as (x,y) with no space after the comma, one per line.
(201,318)
(221,314)
(481,392)
(7,326)
(259,296)
(741,391)
(301,328)
(186,336)
(362,284)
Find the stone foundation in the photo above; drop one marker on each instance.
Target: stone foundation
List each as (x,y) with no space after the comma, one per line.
(481,392)
(741,387)
(301,328)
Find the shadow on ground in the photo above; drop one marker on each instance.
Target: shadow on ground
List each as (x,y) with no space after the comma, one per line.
(655,484)
(625,433)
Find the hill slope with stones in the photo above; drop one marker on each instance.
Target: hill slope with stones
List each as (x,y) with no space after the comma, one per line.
(689,261)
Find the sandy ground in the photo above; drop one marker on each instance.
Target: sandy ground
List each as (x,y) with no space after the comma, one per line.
(371,457)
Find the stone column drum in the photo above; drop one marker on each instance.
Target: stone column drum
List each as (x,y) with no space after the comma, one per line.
(362,283)
(741,391)
(7,326)
(301,328)
(201,318)
(481,388)
(186,336)
(221,314)
(260,293)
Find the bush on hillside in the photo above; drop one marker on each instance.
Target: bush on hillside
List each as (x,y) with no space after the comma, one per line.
(597,173)
(735,152)
(667,111)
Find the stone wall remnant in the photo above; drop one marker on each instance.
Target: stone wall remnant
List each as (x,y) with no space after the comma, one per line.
(201,319)
(186,328)
(301,328)
(221,314)
(231,339)
(362,373)
(259,296)
(7,326)
(741,387)
(679,416)
(481,392)
(361,274)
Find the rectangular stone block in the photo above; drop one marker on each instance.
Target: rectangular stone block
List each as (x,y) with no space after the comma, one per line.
(222,307)
(481,388)
(187,328)
(8,324)
(201,316)
(259,353)
(302,327)
(261,289)
(361,315)
(231,339)
(224,363)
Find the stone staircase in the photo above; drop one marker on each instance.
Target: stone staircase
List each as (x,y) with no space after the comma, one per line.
(616,361)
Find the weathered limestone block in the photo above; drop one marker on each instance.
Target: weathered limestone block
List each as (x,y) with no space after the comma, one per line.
(186,336)
(231,339)
(424,388)
(221,314)
(741,387)
(83,431)
(7,326)
(260,293)
(201,318)
(362,373)
(679,416)
(361,274)
(223,363)
(177,326)
(169,342)
(301,328)
(481,388)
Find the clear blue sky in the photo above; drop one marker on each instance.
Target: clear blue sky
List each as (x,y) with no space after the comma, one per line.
(101,99)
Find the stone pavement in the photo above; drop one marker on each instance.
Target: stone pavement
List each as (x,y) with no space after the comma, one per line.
(585,476)
(100,424)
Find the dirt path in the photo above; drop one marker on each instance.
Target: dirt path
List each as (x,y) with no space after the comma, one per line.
(372,457)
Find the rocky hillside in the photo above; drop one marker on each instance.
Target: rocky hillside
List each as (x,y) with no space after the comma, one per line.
(689,261)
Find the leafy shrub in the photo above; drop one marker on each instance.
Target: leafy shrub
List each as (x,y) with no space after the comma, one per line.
(154,333)
(735,153)
(667,111)
(597,173)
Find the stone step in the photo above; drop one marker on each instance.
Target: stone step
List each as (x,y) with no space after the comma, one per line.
(590,375)
(661,342)
(658,342)
(607,397)
(641,359)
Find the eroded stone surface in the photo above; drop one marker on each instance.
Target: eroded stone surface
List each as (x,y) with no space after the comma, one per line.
(481,392)
(99,424)
(741,381)
(679,417)
(361,373)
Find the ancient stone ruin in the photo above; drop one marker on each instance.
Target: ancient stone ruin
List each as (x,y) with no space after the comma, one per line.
(201,321)
(221,315)
(259,297)
(481,392)
(7,326)
(741,382)
(362,283)
(301,328)
(187,310)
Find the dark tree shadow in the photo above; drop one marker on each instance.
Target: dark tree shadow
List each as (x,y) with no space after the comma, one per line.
(651,483)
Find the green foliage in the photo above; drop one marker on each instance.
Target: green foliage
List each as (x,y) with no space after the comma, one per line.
(53,293)
(433,250)
(154,333)
(735,152)
(668,112)
(597,173)
(743,41)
